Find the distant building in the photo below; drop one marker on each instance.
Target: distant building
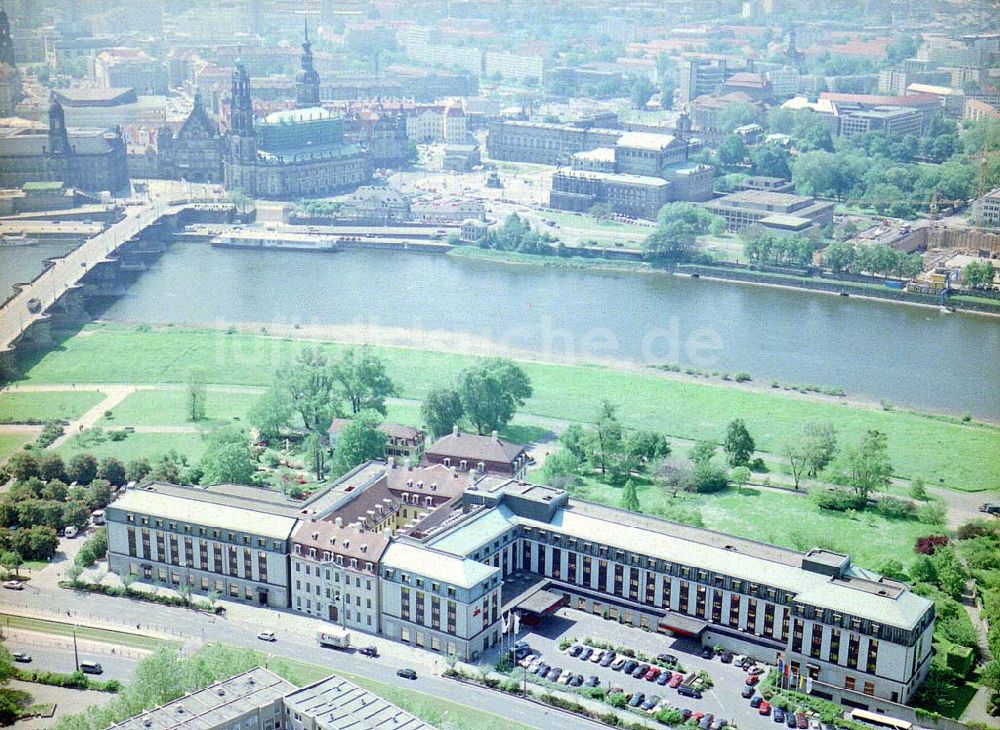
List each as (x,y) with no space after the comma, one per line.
(92,160)
(638,196)
(953,100)
(893,81)
(785,81)
(195,152)
(461,157)
(770,209)
(699,77)
(437,123)
(10,77)
(990,205)
(544,143)
(132,67)
(515,65)
(976,111)
(402,442)
(294,153)
(754,85)
(483,454)
(892,120)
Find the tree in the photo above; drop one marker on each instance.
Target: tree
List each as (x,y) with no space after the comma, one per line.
(819,444)
(740,476)
(702,452)
(272,413)
(313,448)
(708,478)
(99,494)
(679,225)
(574,439)
(442,410)
(736,115)
(918,490)
(11,561)
(23,466)
(978,274)
(562,466)
(197,395)
(112,470)
(797,461)
(732,150)
(167,468)
(739,444)
(607,440)
(82,469)
(359,442)
(52,466)
(868,464)
(491,392)
(839,256)
(228,459)
(771,160)
(363,380)
(641,92)
(309,382)
(646,446)
(630,498)
(138,469)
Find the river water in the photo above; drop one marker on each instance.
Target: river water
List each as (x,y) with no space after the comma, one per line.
(912,356)
(21,264)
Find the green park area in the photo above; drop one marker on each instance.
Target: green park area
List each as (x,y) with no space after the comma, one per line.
(38,407)
(943,451)
(11,442)
(132,446)
(60,628)
(168,407)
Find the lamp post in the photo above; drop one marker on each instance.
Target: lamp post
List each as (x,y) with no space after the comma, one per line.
(76,652)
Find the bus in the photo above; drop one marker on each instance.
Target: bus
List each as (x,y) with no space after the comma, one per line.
(879,720)
(97,517)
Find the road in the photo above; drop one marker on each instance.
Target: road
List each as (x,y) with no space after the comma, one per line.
(295,641)
(62,659)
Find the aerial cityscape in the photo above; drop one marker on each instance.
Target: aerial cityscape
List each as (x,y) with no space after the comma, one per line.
(499,364)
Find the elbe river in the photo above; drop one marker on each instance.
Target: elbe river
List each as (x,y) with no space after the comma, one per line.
(911,356)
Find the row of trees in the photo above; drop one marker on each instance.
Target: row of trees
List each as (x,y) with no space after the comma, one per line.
(762,247)
(979,274)
(874,259)
(83,468)
(516,234)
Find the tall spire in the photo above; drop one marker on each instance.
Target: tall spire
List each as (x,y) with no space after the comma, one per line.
(307,80)
(6,42)
(58,134)
(240,101)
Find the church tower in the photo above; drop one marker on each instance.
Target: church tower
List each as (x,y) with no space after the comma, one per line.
(6,42)
(239,166)
(58,135)
(307,80)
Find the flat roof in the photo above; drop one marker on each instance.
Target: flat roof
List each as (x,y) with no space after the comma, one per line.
(473,533)
(793,222)
(336,703)
(615,177)
(199,506)
(541,602)
(646,140)
(744,559)
(215,706)
(435,564)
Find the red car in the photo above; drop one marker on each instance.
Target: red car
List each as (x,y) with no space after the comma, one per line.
(753,679)
(697,716)
(652,674)
(675,681)
(764,709)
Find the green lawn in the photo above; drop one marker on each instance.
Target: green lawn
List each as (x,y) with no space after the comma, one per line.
(39,407)
(11,442)
(135,445)
(942,451)
(59,628)
(787,520)
(169,408)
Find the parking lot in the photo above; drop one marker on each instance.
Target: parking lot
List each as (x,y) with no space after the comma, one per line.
(723,700)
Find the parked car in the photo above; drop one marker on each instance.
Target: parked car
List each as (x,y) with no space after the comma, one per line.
(608,658)
(664,678)
(689,691)
(575,650)
(778,715)
(755,701)
(649,703)
(764,709)
(706,721)
(89,667)
(541,670)
(21,656)
(13,585)
(666,658)
(565,678)
(593,681)
(707,653)
(685,713)
(652,674)
(522,644)
(752,679)
(790,719)
(696,717)
(636,700)
(755,670)
(629,666)
(748,691)
(727,657)
(369,651)
(618,663)
(640,671)
(267,636)
(585,654)
(675,680)
(801,721)
(528,661)
(614,690)
(577,681)
(597,656)
(406,673)
(553,674)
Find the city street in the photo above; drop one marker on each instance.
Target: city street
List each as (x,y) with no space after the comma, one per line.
(61,659)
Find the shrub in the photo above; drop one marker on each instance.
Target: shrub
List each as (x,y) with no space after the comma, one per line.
(929,543)
(742,377)
(895,509)
(839,500)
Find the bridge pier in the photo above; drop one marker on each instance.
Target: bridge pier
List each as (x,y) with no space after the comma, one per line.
(38,335)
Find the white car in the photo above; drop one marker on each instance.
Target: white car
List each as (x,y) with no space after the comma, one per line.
(266,636)
(597,656)
(13,585)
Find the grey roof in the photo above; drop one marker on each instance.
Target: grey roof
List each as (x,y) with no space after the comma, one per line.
(27,142)
(216,706)
(439,566)
(336,704)
(473,447)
